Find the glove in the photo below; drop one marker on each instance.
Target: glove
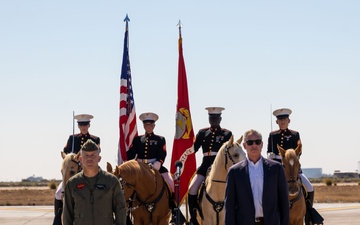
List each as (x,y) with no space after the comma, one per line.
(156,165)
(271,155)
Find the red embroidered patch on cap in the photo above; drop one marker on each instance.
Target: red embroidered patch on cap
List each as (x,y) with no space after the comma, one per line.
(80,186)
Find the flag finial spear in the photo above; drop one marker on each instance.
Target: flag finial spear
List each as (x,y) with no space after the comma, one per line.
(179,25)
(127,19)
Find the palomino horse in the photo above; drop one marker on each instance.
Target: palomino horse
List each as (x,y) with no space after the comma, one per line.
(70,166)
(146,192)
(290,161)
(212,202)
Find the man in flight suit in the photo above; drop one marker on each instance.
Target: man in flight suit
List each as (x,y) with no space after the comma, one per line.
(93,196)
(79,140)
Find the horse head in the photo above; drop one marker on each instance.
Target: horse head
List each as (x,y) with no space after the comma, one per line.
(144,190)
(116,170)
(70,165)
(126,185)
(212,202)
(133,174)
(230,153)
(291,163)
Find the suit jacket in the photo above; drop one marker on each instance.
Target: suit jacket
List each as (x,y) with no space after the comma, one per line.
(239,202)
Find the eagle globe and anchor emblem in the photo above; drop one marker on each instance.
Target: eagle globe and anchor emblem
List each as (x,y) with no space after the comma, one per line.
(183,124)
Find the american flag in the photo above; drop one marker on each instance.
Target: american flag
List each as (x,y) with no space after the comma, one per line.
(127,117)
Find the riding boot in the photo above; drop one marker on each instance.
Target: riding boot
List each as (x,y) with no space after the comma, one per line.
(309,198)
(193,207)
(312,216)
(174,210)
(58,208)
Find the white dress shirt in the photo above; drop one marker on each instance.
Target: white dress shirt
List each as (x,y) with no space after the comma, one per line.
(256,173)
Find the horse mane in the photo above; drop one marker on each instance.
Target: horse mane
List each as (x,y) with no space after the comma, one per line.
(292,160)
(218,161)
(135,172)
(290,154)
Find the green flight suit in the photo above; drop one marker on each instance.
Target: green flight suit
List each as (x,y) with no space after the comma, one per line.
(97,200)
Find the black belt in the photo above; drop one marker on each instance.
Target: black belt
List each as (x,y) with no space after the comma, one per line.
(259,220)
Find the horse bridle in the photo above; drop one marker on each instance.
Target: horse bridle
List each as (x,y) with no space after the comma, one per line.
(79,165)
(150,206)
(294,180)
(130,200)
(218,206)
(227,155)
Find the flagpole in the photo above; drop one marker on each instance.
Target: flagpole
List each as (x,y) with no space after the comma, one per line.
(73,136)
(127,113)
(126,20)
(179,25)
(271,154)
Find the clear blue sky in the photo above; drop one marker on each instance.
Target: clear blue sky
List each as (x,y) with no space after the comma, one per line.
(57,57)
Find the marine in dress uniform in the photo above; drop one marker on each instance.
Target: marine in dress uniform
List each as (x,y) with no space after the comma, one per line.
(287,139)
(83,121)
(284,137)
(79,139)
(150,148)
(210,140)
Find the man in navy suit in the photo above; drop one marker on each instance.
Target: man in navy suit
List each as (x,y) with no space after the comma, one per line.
(256,188)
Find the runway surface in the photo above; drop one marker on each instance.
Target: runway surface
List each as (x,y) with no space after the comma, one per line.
(334,214)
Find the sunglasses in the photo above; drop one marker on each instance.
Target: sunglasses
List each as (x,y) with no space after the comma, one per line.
(251,142)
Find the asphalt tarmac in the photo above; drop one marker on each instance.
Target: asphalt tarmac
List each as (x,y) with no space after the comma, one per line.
(334,214)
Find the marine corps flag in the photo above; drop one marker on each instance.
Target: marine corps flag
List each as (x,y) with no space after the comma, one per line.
(184,135)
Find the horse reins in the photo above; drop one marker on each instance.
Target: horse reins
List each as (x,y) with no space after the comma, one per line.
(227,155)
(298,196)
(150,206)
(293,180)
(218,206)
(130,200)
